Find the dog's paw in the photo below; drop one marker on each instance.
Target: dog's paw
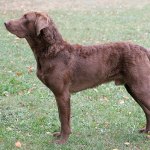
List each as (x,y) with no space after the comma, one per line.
(144,130)
(61,141)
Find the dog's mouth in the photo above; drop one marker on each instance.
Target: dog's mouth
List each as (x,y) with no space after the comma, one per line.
(16,31)
(7,25)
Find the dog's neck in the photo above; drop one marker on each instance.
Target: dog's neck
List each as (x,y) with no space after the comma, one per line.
(51,35)
(47,42)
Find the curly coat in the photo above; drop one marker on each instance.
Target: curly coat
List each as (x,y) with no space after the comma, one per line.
(65,68)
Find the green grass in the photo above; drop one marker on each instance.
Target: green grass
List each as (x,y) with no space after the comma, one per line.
(103,118)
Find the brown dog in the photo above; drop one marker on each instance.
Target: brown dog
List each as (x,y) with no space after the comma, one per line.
(66,68)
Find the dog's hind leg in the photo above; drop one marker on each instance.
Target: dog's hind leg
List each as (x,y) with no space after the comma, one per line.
(145,109)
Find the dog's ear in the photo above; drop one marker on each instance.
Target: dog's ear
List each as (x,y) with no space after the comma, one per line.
(42,22)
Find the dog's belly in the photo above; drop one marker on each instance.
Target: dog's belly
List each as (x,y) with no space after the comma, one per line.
(82,86)
(82,81)
(91,74)
(79,86)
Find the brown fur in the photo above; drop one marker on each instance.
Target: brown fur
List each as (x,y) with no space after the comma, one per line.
(66,68)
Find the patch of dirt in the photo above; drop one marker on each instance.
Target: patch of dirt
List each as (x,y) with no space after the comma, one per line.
(46,5)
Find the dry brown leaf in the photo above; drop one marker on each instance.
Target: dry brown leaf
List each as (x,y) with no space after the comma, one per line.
(18,144)
(18,74)
(30,90)
(30,69)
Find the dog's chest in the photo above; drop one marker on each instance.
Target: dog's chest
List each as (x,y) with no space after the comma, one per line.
(44,68)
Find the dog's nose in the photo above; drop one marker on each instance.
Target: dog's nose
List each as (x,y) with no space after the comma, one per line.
(5,23)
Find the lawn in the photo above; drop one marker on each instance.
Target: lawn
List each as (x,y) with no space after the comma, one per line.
(103,118)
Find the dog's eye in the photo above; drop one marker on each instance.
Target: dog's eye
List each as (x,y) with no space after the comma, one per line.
(26,19)
(25,16)
(26,22)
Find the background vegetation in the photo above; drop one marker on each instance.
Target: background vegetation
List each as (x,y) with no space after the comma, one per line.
(104,118)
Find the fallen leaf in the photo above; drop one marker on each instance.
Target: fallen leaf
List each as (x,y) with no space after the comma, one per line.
(18,74)
(95,90)
(105,98)
(148,136)
(121,102)
(106,124)
(127,143)
(6,93)
(30,69)
(49,133)
(126,97)
(18,144)
(30,90)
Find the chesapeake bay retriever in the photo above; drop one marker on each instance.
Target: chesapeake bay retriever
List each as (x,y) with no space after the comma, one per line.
(65,68)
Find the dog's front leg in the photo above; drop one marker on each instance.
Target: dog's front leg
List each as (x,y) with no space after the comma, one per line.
(63,103)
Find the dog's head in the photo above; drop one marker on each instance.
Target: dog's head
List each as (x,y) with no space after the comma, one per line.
(31,23)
